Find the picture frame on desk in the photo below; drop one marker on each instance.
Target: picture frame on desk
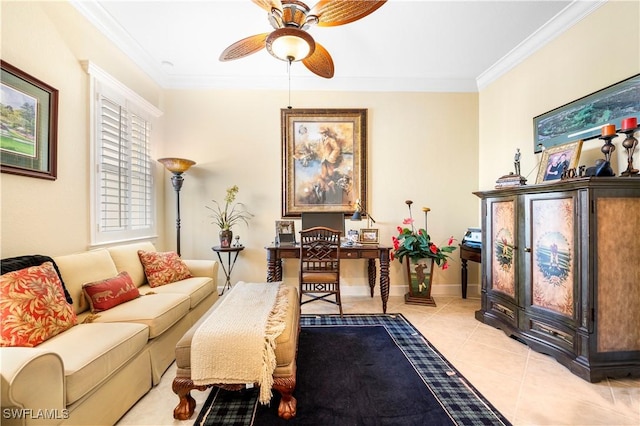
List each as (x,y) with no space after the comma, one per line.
(555,160)
(29,124)
(323,160)
(369,236)
(285,232)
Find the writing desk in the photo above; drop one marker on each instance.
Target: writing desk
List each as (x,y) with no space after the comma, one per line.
(468,253)
(276,253)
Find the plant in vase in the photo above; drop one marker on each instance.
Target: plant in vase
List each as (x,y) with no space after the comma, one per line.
(422,253)
(228,216)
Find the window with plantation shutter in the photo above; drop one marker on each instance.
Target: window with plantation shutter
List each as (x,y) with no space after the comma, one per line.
(123,181)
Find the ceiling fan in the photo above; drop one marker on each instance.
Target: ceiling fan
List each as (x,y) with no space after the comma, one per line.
(290,41)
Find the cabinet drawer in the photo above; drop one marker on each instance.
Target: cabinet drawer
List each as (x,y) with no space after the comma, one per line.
(553,333)
(504,310)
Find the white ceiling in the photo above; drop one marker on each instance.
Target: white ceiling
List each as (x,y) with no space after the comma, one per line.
(405,45)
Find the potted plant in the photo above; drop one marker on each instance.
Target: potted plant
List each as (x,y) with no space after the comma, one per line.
(228,216)
(421,254)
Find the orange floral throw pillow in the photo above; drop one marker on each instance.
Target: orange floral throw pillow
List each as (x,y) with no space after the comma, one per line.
(32,306)
(163,268)
(106,294)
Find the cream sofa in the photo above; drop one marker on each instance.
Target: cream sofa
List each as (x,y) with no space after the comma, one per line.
(92,373)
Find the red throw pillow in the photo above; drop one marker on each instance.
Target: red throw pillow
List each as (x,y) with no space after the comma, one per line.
(32,306)
(163,268)
(106,294)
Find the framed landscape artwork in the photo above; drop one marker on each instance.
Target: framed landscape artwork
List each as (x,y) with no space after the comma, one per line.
(28,125)
(583,118)
(323,160)
(555,160)
(369,236)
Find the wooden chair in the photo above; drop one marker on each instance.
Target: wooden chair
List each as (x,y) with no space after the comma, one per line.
(320,265)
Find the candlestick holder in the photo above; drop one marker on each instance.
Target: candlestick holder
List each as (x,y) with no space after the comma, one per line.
(608,148)
(629,144)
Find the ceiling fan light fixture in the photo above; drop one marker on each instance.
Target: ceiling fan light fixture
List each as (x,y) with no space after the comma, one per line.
(290,44)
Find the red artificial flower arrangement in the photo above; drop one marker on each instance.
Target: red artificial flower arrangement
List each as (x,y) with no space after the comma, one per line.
(418,245)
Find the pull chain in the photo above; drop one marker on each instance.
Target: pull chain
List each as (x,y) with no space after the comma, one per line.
(289,74)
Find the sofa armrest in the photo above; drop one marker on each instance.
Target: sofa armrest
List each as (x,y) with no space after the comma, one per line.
(203,268)
(33,386)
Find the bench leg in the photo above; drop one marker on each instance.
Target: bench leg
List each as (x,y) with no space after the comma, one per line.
(285,386)
(182,387)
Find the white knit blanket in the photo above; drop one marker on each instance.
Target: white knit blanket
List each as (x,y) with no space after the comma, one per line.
(236,343)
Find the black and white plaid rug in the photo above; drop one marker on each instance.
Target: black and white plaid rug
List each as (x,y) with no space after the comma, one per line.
(457,402)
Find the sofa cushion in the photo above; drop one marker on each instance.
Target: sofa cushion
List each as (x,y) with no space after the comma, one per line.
(106,294)
(16,263)
(126,259)
(85,267)
(196,288)
(157,311)
(92,353)
(163,268)
(32,306)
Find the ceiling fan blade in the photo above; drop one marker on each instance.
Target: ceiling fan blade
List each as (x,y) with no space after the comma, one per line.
(244,47)
(320,62)
(269,4)
(332,13)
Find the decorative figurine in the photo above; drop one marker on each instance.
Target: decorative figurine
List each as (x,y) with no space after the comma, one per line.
(512,179)
(236,243)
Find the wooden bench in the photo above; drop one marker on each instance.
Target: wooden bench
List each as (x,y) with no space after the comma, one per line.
(284,375)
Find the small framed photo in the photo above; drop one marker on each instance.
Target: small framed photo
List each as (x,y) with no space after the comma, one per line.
(353,236)
(285,232)
(369,236)
(557,159)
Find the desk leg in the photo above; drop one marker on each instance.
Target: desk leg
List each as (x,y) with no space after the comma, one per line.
(384,278)
(274,270)
(464,278)
(371,268)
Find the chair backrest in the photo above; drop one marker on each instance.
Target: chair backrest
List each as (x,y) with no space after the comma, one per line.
(320,250)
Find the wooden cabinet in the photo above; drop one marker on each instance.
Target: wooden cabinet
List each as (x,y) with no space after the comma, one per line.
(561,271)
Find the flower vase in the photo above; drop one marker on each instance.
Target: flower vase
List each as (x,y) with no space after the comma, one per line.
(226,236)
(419,277)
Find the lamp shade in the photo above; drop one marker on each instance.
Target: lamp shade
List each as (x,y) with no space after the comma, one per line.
(176,165)
(290,44)
(356,215)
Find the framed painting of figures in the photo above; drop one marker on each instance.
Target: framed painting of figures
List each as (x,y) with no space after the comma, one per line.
(323,160)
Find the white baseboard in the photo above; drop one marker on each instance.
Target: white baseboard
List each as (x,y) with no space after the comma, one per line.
(454,290)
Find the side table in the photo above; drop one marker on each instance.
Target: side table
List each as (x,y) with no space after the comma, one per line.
(468,253)
(232,255)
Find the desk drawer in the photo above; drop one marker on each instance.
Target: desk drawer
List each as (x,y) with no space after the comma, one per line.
(349,254)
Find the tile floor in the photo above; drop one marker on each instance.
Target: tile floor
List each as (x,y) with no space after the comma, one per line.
(527,387)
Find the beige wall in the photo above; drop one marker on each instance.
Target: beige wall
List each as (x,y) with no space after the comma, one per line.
(413,153)
(417,148)
(48,40)
(601,50)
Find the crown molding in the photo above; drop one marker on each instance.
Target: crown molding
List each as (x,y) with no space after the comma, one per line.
(111,29)
(565,19)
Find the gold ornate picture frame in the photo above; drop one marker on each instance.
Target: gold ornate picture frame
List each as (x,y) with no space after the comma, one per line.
(369,236)
(555,160)
(323,160)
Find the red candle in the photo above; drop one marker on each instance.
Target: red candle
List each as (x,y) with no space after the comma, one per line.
(608,130)
(629,123)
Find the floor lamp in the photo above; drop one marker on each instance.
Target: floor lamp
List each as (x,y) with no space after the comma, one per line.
(177,166)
